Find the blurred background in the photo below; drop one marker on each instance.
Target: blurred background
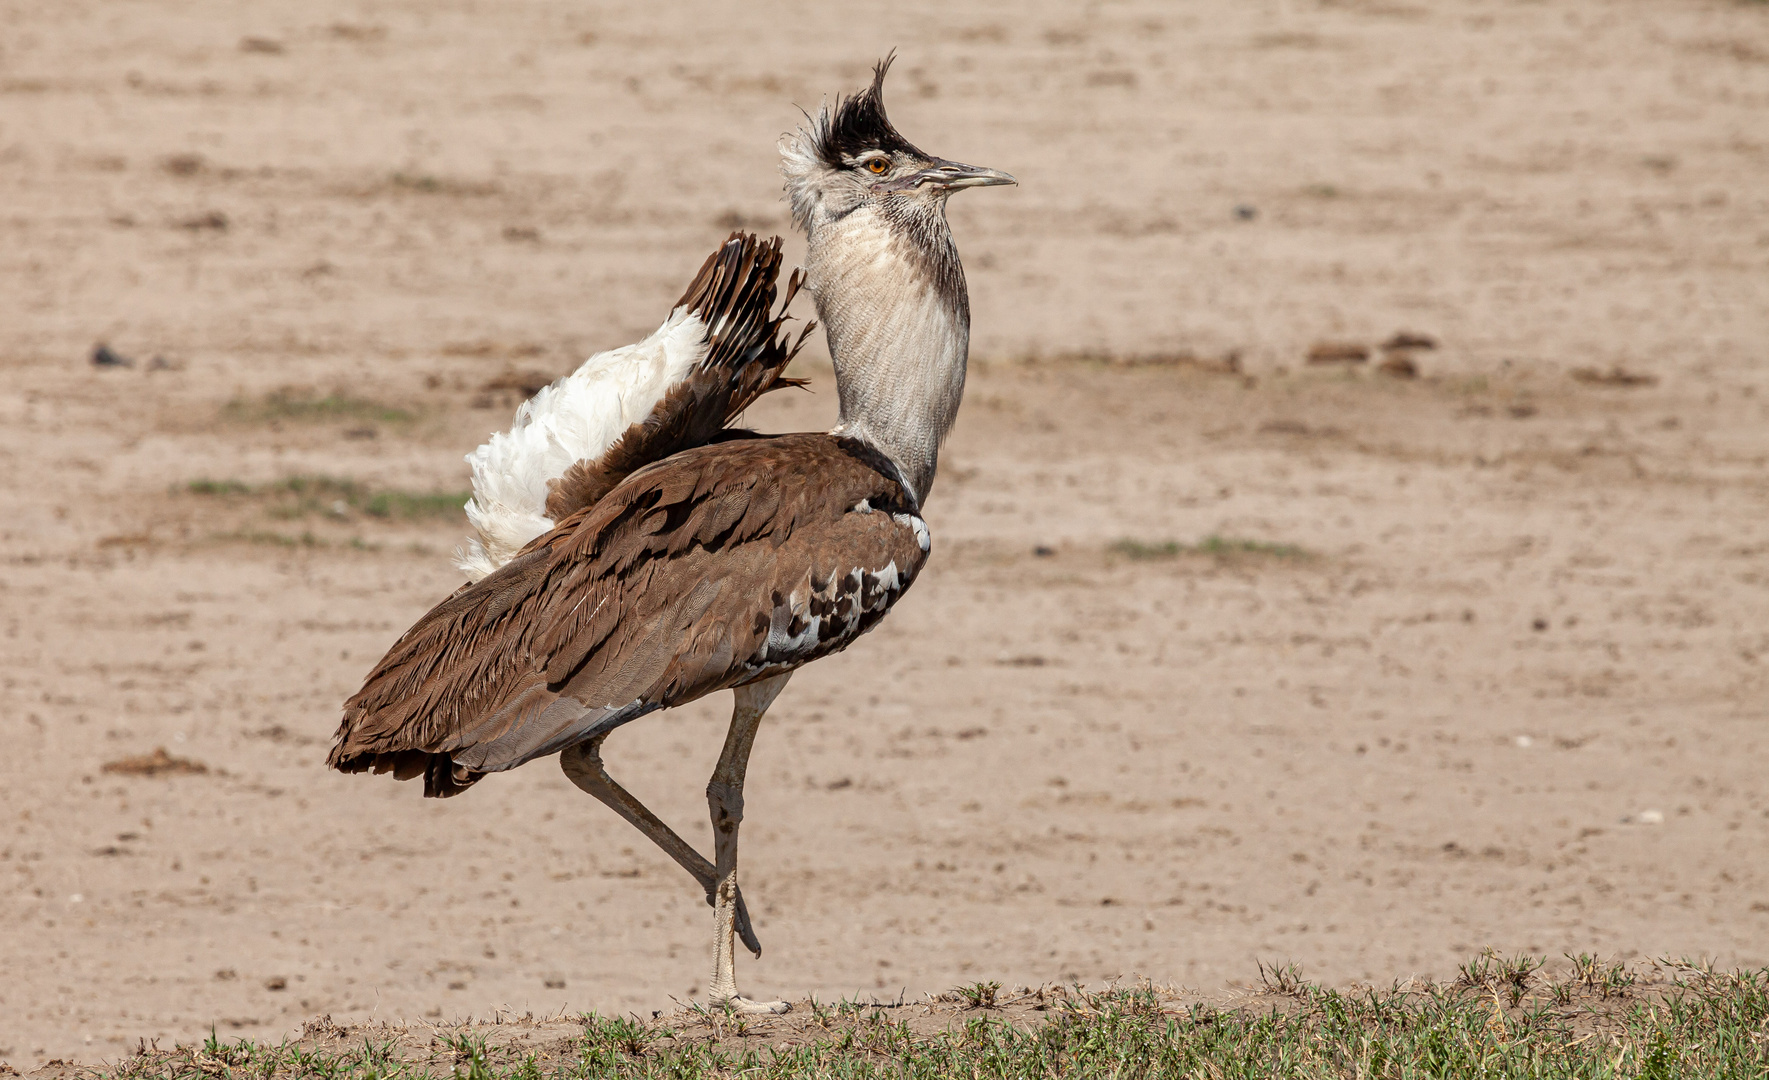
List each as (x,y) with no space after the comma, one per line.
(1353,550)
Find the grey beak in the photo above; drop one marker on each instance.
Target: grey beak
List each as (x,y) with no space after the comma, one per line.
(950,174)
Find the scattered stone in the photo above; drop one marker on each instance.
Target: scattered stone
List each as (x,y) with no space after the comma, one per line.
(1404,340)
(353,32)
(213,220)
(158,763)
(1338,352)
(105,356)
(268,46)
(1615,376)
(1245,212)
(183,164)
(276,982)
(1399,366)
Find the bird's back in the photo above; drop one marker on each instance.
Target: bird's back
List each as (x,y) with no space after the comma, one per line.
(715,567)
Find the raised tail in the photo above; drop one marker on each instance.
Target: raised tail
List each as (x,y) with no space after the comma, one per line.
(734,296)
(720,349)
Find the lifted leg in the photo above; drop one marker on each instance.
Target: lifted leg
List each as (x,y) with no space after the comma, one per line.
(583,766)
(724,797)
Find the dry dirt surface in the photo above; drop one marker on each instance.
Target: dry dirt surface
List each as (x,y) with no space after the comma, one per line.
(1222,655)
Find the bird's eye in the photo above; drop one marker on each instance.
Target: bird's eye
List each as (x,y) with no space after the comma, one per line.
(877,166)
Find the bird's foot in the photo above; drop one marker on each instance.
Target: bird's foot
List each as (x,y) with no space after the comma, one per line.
(743,1006)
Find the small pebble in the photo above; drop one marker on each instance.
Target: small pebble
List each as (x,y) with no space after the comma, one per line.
(104,356)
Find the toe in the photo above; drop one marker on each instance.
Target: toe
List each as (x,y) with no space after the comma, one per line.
(750,1007)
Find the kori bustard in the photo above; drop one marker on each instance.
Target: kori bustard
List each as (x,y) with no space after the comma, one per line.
(634,552)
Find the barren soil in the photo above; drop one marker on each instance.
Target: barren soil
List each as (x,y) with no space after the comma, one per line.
(1221,655)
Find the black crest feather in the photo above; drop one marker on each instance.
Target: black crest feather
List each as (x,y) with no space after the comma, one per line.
(859,124)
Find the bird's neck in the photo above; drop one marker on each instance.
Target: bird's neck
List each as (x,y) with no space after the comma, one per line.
(891,294)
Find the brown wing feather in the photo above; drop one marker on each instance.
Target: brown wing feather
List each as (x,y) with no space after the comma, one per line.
(717,566)
(734,295)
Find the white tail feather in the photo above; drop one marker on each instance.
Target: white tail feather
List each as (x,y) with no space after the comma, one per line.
(577,418)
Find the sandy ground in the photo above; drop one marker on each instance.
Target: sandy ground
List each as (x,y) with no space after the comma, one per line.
(1492,670)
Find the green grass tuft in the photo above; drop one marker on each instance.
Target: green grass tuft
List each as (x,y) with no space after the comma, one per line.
(407,504)
(306,539)
(288,407)
(978,995)
(217,487)
(425,183)
(271,539)
(1219,547)
(304,496)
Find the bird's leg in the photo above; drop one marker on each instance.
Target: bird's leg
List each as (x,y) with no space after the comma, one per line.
(583,766)
(724,797)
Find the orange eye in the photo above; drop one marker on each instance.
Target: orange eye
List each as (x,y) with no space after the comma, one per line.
(877,166)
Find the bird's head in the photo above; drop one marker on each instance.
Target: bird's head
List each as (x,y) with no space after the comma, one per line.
(848,156)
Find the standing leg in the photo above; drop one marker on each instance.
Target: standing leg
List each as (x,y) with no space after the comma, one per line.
(724,797)
(583,766)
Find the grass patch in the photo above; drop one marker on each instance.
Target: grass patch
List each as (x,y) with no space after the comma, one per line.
(285,406)
(427,184)
(1694,1023)
(408,504)
(268,538)
(305,496)
(271,539)
(218,487)
(282,540)
(1217,547)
